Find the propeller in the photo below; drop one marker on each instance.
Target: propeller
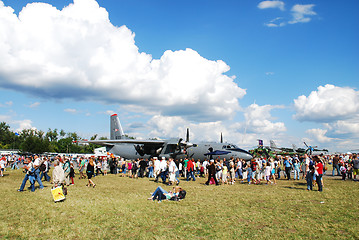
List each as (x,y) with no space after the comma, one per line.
(186,143)
(187,135)
(183,145)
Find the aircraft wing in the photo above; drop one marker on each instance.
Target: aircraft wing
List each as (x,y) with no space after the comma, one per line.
(119,141)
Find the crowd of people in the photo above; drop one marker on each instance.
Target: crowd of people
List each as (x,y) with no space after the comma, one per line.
(169,171)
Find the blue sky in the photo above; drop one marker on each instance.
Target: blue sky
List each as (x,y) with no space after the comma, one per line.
(281,70)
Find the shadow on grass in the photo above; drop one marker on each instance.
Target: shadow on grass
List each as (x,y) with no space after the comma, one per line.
(300,183)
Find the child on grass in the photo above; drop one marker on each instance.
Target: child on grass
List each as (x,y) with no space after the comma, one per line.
(343,171)
(267,172)
(72,174)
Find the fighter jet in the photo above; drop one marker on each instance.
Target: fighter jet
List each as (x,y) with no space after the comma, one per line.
(175,148)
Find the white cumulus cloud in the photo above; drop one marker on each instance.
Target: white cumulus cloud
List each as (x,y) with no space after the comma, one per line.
(301,13)
(319,135)
(23,124)
(70,110)
(259,120)
(271,4)
(345,127)
(78,53)
(34,105)
(329,103)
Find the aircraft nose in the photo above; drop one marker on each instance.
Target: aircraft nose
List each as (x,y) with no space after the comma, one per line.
(247,156)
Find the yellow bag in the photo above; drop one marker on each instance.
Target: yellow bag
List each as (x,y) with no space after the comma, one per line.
(58,194)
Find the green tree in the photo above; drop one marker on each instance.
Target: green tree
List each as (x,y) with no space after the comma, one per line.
(34,141)
(6,136)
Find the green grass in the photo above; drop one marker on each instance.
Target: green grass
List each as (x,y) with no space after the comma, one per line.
(117,209)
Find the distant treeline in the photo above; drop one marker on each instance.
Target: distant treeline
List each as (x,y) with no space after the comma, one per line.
(35,141)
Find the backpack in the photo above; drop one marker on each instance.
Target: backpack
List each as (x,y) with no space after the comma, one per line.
(182,194)
(42,167)
(311,165)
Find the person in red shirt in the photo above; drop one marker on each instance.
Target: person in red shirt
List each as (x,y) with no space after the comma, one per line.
(319,168)
(190,170)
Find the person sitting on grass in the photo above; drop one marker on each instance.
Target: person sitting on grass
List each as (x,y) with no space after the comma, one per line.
(160,194)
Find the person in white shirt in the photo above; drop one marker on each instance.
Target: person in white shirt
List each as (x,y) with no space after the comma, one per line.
(205,164)
(37,163)
(163,167)
(157,169)
(30,175)
(172,169)
(2,166)
(58,175)
(267,172)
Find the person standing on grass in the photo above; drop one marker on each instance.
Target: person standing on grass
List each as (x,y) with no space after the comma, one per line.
(272,165)
(343,171)
(287,166)
(99,167)
(30,173)
(143,165)
(66,166)
(58,175)
(254,166)
(224,174)
(267,172)
(2,166)
(309,178)
(319,168)
(355,163)
(150,168)
(156,168)
(336,165)
(211,172)
(238,169)
(296,167)
(134,169)
(190,170)
(172,170)
(82,167)
(72,174)
(37,163)
(124,168)
(205,169)
(46,170)
(185,162)
(219,169)
(90,172)
(104,166)
(164,170)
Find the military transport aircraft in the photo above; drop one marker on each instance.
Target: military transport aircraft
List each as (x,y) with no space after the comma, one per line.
(310,150)
(274,148)
(175,148)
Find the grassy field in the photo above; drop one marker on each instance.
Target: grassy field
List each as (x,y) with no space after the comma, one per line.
(117,209)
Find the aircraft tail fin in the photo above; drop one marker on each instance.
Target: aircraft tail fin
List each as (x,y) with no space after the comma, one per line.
(116,128)
(272,144)
(294,147)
